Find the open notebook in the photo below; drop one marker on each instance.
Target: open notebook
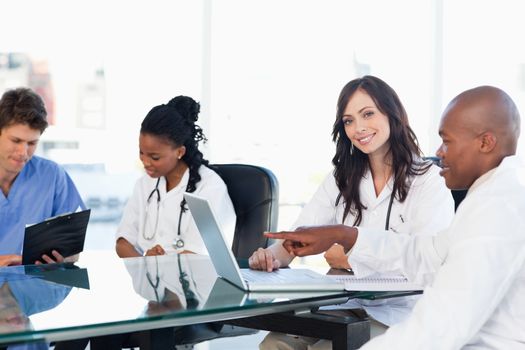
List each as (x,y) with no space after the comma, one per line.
(375,283)
(250,280)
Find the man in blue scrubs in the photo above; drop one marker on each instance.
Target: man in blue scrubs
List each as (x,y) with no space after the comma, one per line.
(32,188)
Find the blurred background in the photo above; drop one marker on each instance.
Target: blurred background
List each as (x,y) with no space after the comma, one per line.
(266,72)
(267,75)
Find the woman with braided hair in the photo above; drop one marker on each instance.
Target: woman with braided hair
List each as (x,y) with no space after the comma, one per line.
(156,219)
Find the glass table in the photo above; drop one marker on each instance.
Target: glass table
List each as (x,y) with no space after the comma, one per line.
(102,294)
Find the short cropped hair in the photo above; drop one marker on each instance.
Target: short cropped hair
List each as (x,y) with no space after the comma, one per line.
(23,106)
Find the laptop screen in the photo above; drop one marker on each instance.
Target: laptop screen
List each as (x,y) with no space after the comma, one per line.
(220,254)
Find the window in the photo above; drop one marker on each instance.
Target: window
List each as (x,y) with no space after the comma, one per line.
(267,73)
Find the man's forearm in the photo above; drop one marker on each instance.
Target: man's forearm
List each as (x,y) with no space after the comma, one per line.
(346,236)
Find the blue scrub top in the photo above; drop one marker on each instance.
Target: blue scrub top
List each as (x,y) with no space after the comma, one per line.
(42,190)
(24,289)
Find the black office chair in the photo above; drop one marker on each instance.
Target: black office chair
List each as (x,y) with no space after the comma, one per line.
(254,191)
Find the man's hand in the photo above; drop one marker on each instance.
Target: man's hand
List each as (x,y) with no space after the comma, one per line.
(10,259)
(315,239)
(263,259)
(336,257)
(46,259)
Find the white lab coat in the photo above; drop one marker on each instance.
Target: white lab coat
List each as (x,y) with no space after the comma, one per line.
(476,300)
(428,209)
(133,222)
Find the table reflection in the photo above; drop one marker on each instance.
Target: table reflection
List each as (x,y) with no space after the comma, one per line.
(172,282)
(61,301)
(25,290)
(23,294)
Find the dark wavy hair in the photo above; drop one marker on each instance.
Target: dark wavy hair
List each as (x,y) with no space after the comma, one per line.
(23,106)
(404,149)
(175,122)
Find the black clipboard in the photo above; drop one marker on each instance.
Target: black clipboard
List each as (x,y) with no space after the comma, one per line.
(67,274)
(65,234)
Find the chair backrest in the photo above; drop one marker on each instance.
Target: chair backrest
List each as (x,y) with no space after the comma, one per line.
(254,191)
(458,195)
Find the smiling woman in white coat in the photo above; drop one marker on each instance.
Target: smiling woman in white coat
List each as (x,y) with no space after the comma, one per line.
(380,182)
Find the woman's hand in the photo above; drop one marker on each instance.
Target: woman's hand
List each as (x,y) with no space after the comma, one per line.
(187,252)
(263,259)
(336,257)
(156,250)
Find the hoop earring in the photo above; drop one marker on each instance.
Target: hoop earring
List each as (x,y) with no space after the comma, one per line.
(351,148)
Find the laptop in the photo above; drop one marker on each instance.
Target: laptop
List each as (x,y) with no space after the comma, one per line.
(246,279)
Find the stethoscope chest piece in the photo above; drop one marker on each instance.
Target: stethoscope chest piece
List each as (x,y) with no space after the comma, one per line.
(179,243)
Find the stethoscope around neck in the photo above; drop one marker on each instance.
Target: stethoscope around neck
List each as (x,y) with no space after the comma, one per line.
(179,242)
(387,220)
